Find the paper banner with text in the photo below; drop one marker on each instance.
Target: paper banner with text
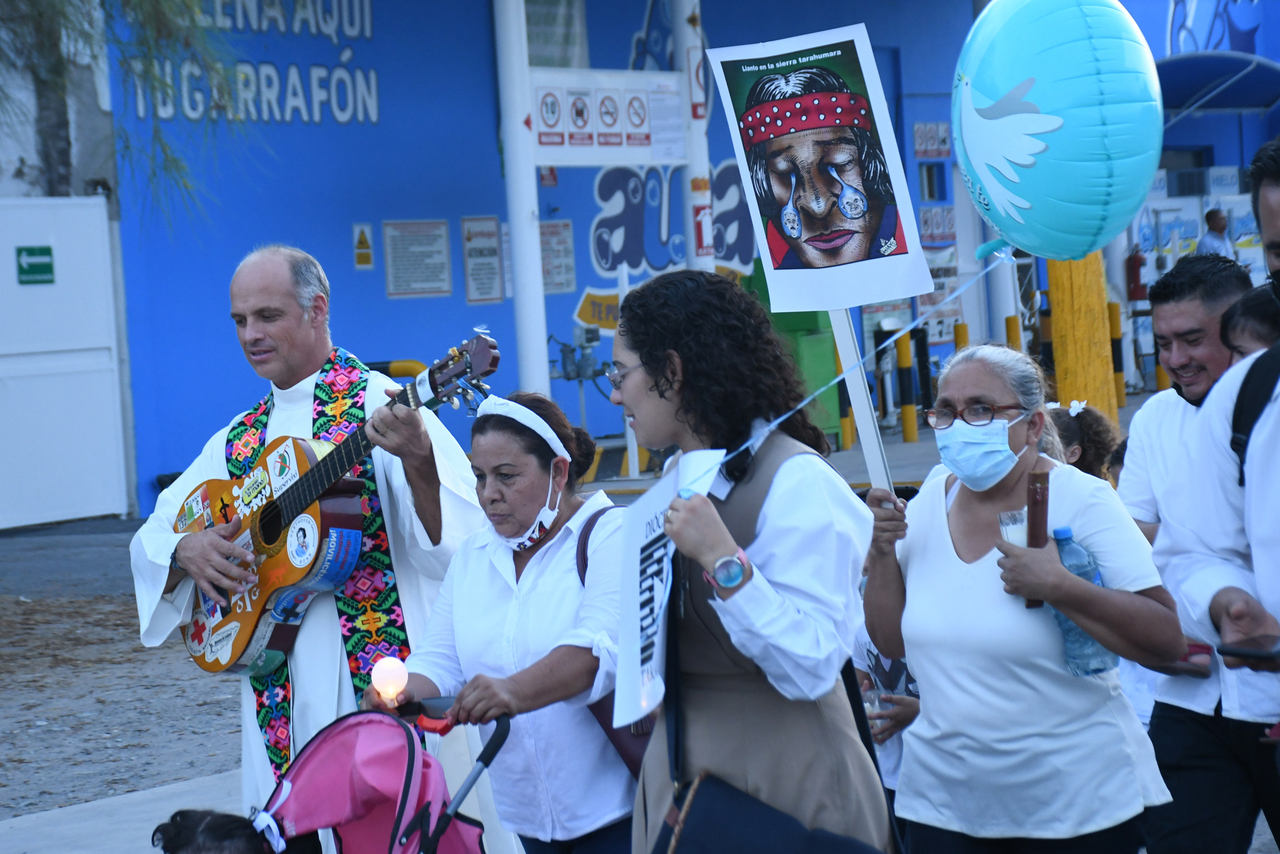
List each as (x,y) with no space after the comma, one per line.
(829,200)
(646,583)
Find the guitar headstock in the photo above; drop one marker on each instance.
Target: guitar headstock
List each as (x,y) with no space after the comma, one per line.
(459,374)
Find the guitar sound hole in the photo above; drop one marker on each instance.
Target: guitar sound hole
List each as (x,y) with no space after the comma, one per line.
(270,523)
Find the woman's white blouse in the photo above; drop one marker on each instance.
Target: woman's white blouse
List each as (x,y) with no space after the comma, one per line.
(797,616)
(1008,742)
(558,776)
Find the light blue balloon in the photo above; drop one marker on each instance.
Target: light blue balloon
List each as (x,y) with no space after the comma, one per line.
(1057,122)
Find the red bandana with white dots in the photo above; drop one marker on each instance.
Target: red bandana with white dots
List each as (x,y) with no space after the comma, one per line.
(803,112)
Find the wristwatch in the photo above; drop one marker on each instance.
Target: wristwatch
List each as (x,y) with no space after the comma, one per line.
(729,571)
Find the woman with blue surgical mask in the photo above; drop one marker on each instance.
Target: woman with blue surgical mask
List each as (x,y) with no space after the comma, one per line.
(517,630)
(1010,749)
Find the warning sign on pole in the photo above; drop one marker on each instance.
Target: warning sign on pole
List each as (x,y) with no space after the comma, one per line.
(608,117)
(580,129)
(697,66)
(599,117)
(637,113)
(703,228)
(550,105)
(361,236)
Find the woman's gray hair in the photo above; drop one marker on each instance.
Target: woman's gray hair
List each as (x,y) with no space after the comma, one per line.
(308,276)
(1023,377)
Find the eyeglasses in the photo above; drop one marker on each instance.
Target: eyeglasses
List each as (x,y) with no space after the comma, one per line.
(978,415)
(616,376)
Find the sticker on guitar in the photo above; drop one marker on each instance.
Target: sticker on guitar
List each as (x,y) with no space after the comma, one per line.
(304,540)
(283,468)
(253,494)
(196,508)
(219,647)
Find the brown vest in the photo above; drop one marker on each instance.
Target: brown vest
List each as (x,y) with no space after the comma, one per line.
(802,757)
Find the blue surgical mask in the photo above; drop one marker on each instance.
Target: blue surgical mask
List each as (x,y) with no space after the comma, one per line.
(979,456)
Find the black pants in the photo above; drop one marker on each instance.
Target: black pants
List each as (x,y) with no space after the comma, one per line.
(1220,775)
(1124,838)
(611,839)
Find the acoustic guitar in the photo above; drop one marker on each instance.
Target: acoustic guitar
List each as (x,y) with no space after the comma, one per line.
(300,514)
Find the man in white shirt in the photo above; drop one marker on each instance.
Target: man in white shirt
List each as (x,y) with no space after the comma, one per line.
(1215,240)
(280,306)
(1203,730)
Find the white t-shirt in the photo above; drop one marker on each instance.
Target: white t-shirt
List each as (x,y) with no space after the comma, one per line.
(1008,742)
(1160,438)
(558,776)
(890,676)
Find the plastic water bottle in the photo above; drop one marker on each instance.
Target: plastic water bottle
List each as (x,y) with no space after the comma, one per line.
(1085,656)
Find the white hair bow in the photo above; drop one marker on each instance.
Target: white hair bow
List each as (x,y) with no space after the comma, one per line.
(1077,406)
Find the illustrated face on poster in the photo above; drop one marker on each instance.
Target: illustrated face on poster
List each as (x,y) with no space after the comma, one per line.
(810,126)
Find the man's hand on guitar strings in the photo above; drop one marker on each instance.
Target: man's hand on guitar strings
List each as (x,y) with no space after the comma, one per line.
(399,431)
(216,563)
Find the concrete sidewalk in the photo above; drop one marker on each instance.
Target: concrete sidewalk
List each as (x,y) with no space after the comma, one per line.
(118,825)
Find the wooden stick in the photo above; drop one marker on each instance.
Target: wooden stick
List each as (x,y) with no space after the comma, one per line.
(1037,517)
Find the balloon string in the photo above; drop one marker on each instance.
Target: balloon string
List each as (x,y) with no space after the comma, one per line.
(1004,256)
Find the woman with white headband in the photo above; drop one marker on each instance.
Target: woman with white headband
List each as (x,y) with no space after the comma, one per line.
(517,631)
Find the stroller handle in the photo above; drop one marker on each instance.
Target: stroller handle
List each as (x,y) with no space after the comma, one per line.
(501,729)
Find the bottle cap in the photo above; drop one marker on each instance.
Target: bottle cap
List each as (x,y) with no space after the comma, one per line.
(1063,533)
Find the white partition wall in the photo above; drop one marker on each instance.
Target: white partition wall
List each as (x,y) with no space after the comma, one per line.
(59,365)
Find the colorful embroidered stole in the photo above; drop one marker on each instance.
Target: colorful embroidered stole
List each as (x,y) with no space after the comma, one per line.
(369,613)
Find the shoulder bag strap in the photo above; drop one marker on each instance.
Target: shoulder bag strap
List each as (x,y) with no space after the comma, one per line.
(1255,393)
(672,700)
(584,539)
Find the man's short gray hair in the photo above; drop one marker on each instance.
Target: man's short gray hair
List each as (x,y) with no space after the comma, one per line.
(307,274)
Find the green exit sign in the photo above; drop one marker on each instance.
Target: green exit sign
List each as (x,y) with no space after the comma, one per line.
(35,265)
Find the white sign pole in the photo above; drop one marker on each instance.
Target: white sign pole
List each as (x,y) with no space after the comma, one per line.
(511,36)
(864,414)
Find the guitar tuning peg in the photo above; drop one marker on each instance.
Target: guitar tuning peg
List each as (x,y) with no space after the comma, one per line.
(453,401)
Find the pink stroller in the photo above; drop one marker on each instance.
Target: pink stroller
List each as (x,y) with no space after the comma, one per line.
(367,777)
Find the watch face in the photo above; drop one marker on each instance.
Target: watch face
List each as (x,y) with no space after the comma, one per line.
(728,572)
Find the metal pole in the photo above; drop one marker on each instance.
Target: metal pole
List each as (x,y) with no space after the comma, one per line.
(686,39)
(514,90)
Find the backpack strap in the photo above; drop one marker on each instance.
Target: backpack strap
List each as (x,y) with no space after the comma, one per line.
(584,538)
(1255,393)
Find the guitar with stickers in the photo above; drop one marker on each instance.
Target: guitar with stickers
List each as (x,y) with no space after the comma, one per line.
(301,515)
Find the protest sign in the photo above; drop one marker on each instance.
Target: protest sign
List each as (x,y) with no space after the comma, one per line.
(829,200)
(646,585)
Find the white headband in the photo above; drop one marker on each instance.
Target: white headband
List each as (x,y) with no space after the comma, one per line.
(494,405)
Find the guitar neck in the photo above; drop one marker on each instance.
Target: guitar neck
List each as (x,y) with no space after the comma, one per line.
(336,464)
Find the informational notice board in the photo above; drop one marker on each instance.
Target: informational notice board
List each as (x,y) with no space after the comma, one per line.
(417,257)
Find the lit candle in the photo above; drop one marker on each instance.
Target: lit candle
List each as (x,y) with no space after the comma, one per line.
(389,677)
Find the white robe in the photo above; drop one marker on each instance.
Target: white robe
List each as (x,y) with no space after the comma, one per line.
(322,688)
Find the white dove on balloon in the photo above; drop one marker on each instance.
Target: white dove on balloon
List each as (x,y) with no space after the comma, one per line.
(1001,136)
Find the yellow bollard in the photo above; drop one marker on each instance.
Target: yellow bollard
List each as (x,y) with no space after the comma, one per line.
(848,430)
(1162,379)
(910,429)
(1082,366)
(1117,352)
(1013,331)
(962,336)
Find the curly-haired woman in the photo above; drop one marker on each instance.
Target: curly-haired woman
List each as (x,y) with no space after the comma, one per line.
(768,569)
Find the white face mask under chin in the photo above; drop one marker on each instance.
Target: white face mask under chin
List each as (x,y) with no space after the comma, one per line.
(545,519)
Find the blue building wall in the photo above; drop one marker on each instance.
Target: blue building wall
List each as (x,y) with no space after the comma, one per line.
(432,153)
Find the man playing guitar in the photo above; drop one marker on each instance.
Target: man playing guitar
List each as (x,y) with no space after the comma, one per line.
(280,305)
